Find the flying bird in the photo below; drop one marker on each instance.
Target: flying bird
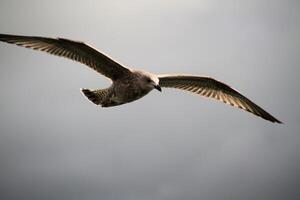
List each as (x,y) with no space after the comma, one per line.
(129,84)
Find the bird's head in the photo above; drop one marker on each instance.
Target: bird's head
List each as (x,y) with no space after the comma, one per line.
(148,80)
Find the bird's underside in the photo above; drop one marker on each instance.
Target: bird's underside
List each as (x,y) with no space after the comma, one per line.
(129,85)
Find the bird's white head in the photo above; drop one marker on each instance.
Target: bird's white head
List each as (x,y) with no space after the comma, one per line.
(147,80)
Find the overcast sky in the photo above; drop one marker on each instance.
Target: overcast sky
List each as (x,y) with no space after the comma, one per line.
(54,144)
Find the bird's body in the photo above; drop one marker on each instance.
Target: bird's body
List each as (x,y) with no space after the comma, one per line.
(124,90)
(129,85)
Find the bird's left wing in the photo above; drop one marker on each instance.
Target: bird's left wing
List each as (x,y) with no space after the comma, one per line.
(74,50)
(212,88)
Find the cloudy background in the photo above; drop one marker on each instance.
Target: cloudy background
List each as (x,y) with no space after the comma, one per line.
(54,144)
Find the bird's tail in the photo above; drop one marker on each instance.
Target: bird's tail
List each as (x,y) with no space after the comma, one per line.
(95,96)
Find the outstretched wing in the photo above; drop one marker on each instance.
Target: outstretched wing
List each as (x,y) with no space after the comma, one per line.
(74,50)
(212,88)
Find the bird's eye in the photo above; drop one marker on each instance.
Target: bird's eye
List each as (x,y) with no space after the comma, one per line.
(148,80)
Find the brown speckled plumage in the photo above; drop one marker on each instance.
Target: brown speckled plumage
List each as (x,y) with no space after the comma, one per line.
(130,85)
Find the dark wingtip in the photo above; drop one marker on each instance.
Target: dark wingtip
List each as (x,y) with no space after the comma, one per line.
(277,121)
(272,119)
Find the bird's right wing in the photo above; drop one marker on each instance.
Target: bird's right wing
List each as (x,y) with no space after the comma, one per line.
(74,50)
(212,88)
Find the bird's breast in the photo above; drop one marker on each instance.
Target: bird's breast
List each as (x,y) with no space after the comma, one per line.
(127,92)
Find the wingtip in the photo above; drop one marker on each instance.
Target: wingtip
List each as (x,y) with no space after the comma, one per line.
(274,120)
(279,122)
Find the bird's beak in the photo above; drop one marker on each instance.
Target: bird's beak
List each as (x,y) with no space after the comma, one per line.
(157,87)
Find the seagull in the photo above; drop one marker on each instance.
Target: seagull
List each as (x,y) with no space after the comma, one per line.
(129,85)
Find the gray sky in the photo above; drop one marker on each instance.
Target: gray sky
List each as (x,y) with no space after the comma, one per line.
(54,144)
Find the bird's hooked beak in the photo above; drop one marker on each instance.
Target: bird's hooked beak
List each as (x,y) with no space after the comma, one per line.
(157,87)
